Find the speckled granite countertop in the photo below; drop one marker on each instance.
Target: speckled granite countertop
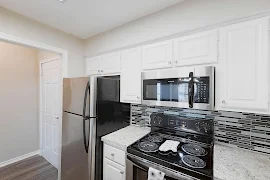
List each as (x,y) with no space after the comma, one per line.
(124,137)
(236,164)
(229,163)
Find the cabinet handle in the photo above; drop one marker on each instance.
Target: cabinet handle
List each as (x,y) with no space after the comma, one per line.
(56,117)
(98,70)
(112,154)
(223,102)
(138,97)
(102,71)
(170,62)
(176,61)
(122,172)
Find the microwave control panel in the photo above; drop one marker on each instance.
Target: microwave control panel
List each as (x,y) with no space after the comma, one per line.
(201,90)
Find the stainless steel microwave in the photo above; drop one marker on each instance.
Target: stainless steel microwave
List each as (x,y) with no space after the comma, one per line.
(188,87)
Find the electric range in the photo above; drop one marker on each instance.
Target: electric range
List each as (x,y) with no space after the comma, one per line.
(193,158)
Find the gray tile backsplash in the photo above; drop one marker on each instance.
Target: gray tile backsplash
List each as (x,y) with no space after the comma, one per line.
(243,130)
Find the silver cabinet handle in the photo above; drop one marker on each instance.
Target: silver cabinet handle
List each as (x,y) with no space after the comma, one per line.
(56,117)
(122,172)
(138,97)
(170,62)
(98,70)
(223,102)
(112,154)
(176,61)
(101,70)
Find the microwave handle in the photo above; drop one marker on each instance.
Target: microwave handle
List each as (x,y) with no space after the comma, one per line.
(191,90)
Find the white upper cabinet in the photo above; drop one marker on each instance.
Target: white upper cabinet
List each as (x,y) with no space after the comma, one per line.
(93,66)
(200,48)
(131,76)
(111,63)
(242,76)
(158,55)
(103,65)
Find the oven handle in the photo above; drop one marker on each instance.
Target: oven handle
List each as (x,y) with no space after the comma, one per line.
(145,164)
(191,90)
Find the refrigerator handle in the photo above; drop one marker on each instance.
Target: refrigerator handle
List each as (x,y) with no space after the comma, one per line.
(86,144)
(87,90)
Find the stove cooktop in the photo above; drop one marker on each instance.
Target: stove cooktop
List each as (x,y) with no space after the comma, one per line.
(191,158)
(194,155)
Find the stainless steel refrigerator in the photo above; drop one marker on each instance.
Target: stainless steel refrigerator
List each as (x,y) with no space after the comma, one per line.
(91,109)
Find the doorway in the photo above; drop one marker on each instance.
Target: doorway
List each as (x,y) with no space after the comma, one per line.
(53,134)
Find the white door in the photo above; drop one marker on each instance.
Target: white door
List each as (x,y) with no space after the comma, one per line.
(113,171)
(158,55)
(93,66)
(242,78)
(51,92)
(111,63)
(200,48)
(131,76)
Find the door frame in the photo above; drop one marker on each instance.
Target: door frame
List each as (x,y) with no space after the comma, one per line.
(64,70)
(41,128)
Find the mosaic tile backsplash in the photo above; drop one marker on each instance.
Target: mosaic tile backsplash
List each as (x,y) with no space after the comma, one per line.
(237,129)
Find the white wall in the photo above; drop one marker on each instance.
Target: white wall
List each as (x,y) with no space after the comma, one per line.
(182,17)
(19,26)
(45,55)
(19,102)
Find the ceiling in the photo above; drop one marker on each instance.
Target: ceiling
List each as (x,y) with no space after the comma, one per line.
(85,18)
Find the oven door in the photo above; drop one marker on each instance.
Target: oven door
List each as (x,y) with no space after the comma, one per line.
(137,169)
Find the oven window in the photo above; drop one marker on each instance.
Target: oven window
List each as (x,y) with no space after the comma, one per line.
(140,174)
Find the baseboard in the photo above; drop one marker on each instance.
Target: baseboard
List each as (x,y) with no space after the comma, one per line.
(5,163)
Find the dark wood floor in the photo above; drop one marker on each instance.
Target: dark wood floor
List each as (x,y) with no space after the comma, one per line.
(33,168)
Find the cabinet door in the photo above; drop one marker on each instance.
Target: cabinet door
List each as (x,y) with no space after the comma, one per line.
(113,171)
(93,65)
(111,63)
(242,77)
(131,76)
(158,55)
(200,48)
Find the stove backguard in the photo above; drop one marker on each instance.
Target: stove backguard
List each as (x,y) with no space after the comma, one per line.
(182,125)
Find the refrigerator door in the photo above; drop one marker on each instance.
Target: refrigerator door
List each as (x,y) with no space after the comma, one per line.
(74,161)
(92,134)
(109,88)
(73,95)
(112,115)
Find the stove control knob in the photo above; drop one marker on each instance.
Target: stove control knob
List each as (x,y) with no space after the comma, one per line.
(184,124)
(206,127)
(197,125)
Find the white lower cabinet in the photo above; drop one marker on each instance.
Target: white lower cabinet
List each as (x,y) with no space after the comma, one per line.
(242,78)
(114,163)
(113,171)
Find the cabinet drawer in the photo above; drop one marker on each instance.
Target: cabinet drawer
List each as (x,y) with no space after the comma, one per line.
(115,155)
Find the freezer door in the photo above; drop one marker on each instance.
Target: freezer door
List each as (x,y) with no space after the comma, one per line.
(73,95)
(74,158)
